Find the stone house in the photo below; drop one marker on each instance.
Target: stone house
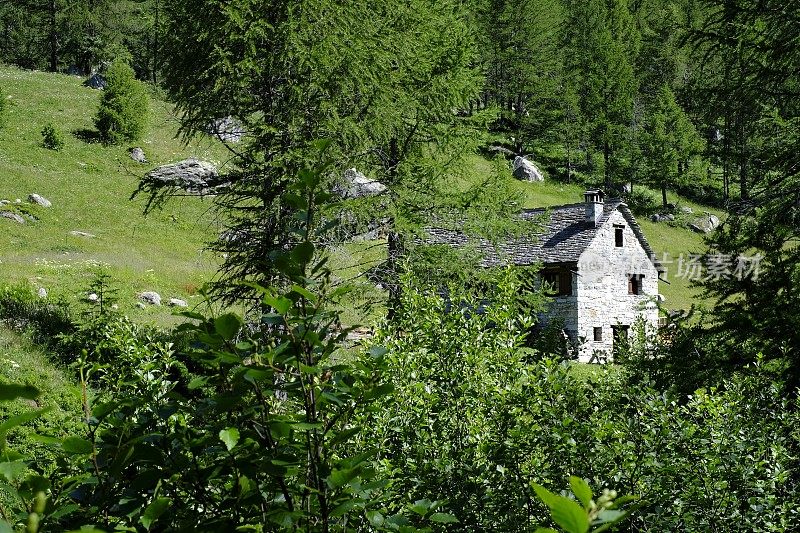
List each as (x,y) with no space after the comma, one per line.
(601,272)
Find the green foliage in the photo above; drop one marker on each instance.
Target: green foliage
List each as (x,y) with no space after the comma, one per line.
(259,434)
(578,517)
(670,142)
(123,111)
(407,67)
(52,138)
(603,42)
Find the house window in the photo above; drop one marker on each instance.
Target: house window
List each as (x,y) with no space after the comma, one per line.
(618,236)
(635,283)
(559,281)
(598,334)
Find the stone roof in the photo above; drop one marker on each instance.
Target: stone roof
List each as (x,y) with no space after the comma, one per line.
(564,236)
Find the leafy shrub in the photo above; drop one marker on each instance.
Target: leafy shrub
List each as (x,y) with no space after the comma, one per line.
(52,138)
(642,202)
(123,111)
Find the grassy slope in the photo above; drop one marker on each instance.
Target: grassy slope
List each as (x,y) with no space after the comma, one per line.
(89,186)
(664,238)
(23,363)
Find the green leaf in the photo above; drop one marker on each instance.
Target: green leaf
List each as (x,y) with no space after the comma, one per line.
(153,511)
(279,430)
(12,470)
(198,382)
(545,530)
(228,325)
(12,391)
(76,445)
(303,252)
(20,419)
(339,478)
(565,512)
(421,507)
(610,515)
(443,518)
(281,304)
(305,293)
(345,507)
(378,351)
(375,518)
(230,437)
(581,490)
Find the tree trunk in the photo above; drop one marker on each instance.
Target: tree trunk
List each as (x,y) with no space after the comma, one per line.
(664,194)
(53,37)
(156,20)
(606,162)
(392,272)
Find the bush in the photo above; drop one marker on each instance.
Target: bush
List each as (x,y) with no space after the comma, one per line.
(642,202)
(123,111)
(52,139)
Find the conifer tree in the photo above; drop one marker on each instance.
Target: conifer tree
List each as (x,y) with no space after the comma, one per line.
(123,111)
(384,82)
(603,43)
(670,140)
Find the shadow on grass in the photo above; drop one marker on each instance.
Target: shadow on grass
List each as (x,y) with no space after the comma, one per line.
(87,135)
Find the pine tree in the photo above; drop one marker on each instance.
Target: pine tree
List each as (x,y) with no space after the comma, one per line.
(519,54)
(382,81)
(603,43)
(669,141)
(123,111)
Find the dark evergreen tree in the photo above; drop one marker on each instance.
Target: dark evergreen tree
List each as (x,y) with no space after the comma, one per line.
(384,83)
(519,54)
(603,44)
(670,141)
(754,266)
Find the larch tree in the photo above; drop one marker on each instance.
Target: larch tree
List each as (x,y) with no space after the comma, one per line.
(384,83)
(603,44)
(670,140)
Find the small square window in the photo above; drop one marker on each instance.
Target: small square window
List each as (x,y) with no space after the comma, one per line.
(598,334)
(619,236)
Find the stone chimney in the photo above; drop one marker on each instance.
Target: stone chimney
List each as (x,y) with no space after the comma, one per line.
(593,200)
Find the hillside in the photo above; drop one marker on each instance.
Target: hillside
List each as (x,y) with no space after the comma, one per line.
(89,186)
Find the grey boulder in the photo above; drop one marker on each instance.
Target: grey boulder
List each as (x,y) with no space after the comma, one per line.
(191,175)
(177,302)
(526,171)
(227,129)
(76,233)
(137,154)
(150,297)
(357,185)
(96,81)
(12,216)
(42,292)
(705,224)
(39,200)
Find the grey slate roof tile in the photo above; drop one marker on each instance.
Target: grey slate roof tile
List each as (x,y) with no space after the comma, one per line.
(564,237)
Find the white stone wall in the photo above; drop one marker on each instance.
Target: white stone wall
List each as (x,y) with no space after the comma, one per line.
(602,288)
